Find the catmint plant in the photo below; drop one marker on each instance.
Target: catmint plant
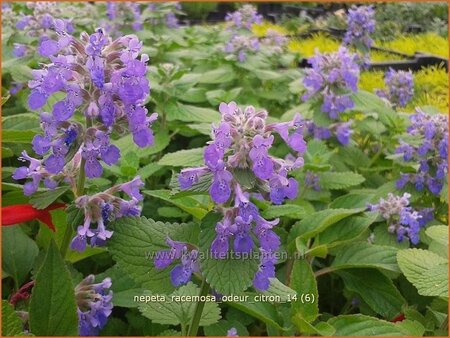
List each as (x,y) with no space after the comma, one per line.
(399,87)
(429,150)
(360,25)
(241,45)
(332,78)
(93,305)
(241,143)
(122,16)
(275,41)
(401,218)
(46,24)
(341,131)
(104,80)
(243,18)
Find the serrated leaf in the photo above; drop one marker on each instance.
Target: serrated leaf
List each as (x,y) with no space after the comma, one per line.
(11,323)
(351,200)
(427,271)
(231,275)
(365,255)
(42,200)
(183,158)
(18,253)
(53,311)
(377,290)
(339,180)
(135,242)
(361,325)
(176,311)
(304,283)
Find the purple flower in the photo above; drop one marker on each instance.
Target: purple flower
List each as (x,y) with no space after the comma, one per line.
(19,50)
(266,270)
(103,207)
(430,153)
(180,273)
(400,89)
(94,305)
(343,132)
(333,76)
(241,45)
(360,24)
(243,18)
(401,218)
(232,332)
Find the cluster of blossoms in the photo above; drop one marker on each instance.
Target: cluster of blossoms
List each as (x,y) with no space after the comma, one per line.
(399,87)
(102,208)
(182,272)
(232,332)
(431,153)
(361,23)
(119,13)
(94,305)
(106,81)
(167,13)
(53,33)
(275,41)
(240,45)
(401,218)
(341,130)
(241,143)
(243,18)
(334,76)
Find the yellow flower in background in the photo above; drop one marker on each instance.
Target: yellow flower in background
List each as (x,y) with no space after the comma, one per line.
(261,29)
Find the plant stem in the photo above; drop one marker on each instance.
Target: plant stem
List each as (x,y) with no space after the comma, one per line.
(323,271)
(193,328)
(183,329)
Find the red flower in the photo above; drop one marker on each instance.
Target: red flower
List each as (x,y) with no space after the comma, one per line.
(399,318)
(20,213)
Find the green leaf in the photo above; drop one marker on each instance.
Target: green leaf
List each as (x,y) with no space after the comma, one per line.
(282,292)
(220,75)
(365,255)
(21,122)
(320,220)
(18,253)
(123,287)
(135,242)
(126,145)
(295,211)
(175,310)
(370,103)
(346,229)
(304,283)
(321,328)
(42,200)
(194,95)
(351,200)
(263,311)
(438,233)
(53,311)
(427,271)
(11,323)
(185,203)
(188,113)
(221,328)
(339,180)
(230,275)
(361,325)
(18,136)
(377,290)
(7,152)
(183,158)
